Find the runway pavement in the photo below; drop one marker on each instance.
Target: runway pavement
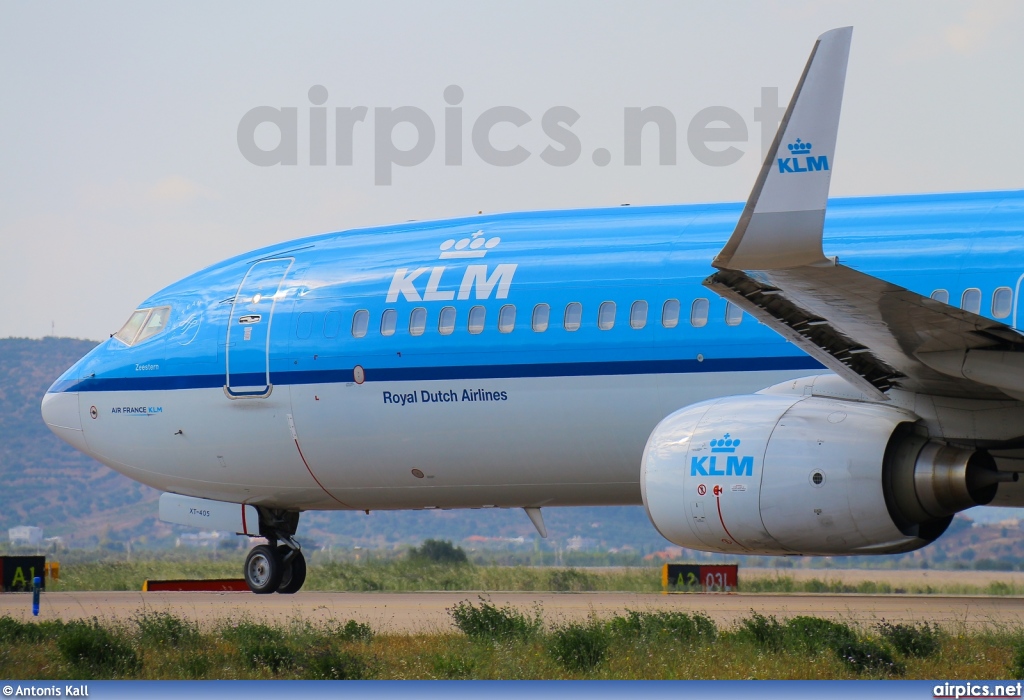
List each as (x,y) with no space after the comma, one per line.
(426,612)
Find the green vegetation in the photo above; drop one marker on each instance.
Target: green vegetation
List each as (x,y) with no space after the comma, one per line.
(861,654)
(420,572)
(1017,663)
(438,552)
(663,625)
(814,635)
(158,629)
(94,651)
(486,622)
(504,643)
(129,576)
(580,646)
(765,632)
(413,573)
(919,641)
(751,583)
(866,656)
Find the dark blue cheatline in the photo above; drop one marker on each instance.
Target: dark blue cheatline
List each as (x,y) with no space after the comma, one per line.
(411,374)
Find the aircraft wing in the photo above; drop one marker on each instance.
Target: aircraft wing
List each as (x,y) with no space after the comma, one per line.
(875,334)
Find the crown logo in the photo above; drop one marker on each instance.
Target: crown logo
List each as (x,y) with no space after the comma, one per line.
(476,246)
(725,444)
(800,148)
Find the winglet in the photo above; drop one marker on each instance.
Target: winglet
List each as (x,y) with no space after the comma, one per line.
(781,225)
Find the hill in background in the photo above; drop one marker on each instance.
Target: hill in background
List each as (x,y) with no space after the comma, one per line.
(48,484)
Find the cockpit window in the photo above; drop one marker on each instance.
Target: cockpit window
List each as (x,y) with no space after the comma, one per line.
(131,329)
(155,323)
(143,324)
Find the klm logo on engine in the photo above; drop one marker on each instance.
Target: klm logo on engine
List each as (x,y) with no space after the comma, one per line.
(801,153)
(478,281)
(723,449)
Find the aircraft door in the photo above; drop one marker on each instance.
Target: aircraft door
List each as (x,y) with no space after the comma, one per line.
(1018,308)
(247,349)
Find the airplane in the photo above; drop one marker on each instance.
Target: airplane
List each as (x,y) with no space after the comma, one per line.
(707,361)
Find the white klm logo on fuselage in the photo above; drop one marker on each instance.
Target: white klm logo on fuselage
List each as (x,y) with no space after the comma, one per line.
(475,277)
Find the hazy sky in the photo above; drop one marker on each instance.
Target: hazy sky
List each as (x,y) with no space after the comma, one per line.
(121,169)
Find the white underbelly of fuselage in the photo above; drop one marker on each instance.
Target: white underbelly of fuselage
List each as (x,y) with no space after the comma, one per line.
(401,445)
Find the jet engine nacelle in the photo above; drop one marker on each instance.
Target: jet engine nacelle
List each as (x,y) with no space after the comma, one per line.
(771,474)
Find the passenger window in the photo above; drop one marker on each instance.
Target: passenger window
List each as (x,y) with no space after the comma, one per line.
(446,321)
(388,321)
(941,295)
(304,326)
(699,313)
(1002,302)
(476,319)
(971,300)
(507,318)
(606,315)
(638,315)
(417,321)
(360,322)
(670,313)
(733,314)
(541,314)
(573,315)
(332,324)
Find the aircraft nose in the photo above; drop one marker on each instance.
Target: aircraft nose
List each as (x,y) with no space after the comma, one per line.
(60,410)
(62,415)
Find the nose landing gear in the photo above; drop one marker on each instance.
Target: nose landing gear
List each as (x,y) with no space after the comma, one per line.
(280,568)
(263,569)
(293,568)
(276,567)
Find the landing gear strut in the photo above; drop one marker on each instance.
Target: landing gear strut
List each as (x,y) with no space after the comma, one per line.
(276,567)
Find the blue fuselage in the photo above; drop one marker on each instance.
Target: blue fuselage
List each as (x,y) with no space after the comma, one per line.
(512,359)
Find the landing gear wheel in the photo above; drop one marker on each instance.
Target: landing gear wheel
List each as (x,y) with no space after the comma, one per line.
(293,571)
(263,569)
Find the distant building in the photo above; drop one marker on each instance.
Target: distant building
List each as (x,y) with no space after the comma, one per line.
(666,554)
(480,539)
(213,540)
(25,536)
(580,544)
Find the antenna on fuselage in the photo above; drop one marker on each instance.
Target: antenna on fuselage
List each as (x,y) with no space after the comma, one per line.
(538,520)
